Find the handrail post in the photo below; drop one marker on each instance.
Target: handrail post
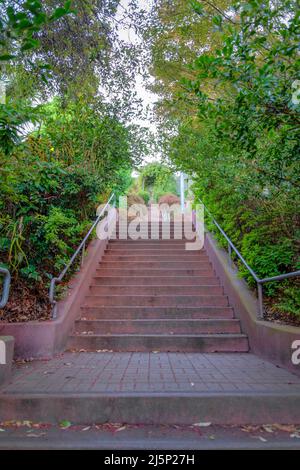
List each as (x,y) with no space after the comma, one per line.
(82,254)
(229,256)
(260,301)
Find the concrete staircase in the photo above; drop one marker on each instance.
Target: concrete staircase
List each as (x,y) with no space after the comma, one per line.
(151,296)
(154,295)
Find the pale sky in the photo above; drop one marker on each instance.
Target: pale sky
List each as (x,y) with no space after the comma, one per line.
(128,35)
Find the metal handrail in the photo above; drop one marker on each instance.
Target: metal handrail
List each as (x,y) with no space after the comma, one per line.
(58,279)
(6,286)
(258,281)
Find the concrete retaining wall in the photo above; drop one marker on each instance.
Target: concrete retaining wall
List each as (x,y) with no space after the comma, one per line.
(44,339)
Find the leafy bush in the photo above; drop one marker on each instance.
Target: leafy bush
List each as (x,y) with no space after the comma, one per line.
(145,195)
(291,301)
(155,180)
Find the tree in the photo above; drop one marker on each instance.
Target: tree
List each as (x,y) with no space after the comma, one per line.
(232,122)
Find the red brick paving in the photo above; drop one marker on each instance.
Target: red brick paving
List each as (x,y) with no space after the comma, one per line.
(153,372)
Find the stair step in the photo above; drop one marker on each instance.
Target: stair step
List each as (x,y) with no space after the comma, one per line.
(157,326)
(155,264)
(116,312)
(152,408)
(168,343)
(166,272)
(148,249)
(118,289)
(156,280)
(158,300)
(185,256)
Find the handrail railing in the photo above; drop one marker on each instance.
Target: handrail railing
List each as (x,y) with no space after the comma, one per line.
(258,281)
(58,279)
(6,287)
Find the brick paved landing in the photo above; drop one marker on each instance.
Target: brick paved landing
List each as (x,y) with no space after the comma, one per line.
(149,388)
(150,372)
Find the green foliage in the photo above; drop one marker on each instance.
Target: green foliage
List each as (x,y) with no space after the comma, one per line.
(12,120)
(20,22)
(45,210)
(291,301)
(144,195)
(157,179)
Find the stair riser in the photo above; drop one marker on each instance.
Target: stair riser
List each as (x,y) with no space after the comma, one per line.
(158,409)
(180,251)
(152,250)
(156,281)
(159,327)
(182,258)
(168,273)
(175,265)
(164,344)
(159,301)
(187,313)
(156,290)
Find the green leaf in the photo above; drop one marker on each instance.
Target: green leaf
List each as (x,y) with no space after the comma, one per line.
(59,13)
(30,44)
(197,7)
(10,13)
(65,424)
(7,57)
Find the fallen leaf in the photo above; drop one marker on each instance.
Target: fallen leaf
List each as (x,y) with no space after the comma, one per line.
(262,439)
(285,427)
(65,424)
(202,425)
(120,429)
(249,428)
(267,428)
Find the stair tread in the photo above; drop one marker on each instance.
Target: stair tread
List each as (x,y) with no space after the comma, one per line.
(155,335)
(204,320)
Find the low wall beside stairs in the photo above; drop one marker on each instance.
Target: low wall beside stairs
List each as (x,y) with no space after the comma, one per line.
(45,339)
(269,340)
